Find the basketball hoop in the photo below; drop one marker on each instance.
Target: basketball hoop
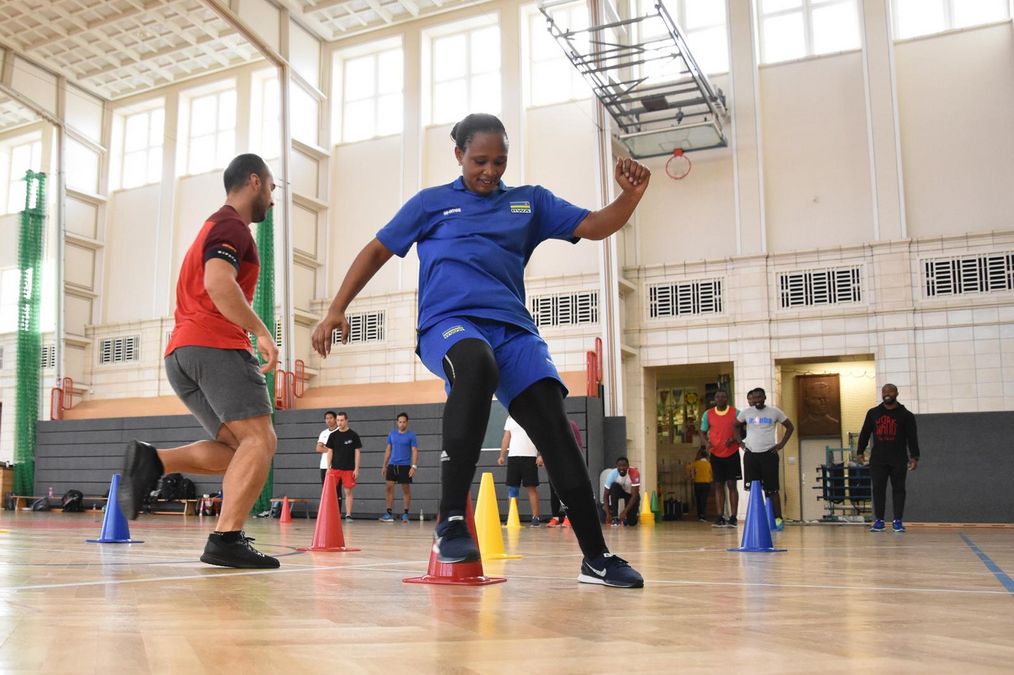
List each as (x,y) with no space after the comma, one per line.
(679,165)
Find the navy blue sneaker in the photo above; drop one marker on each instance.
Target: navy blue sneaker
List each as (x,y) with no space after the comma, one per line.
(141,470)
(610,570)
(453,542)
(878,526)
(898,526)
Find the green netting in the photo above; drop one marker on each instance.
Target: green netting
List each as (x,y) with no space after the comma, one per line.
(29,339)
(264,307)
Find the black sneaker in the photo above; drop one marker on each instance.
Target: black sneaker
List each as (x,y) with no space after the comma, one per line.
(732,522)
(141,470)
(536,521)
(721,522)
(610,570)
(236,553)
(453,542)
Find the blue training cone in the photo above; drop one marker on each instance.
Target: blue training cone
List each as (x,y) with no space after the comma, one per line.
(756,533)
(770,510)
(114,524)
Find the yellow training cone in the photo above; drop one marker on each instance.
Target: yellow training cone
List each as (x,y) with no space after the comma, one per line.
(487,522)
(513,520)
(645,517)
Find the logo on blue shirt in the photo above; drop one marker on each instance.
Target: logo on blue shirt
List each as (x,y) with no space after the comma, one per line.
(521,207)
(451,331)
(449,212)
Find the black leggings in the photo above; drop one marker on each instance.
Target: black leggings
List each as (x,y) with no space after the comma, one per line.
(701,493)
(897,471)
(472,371)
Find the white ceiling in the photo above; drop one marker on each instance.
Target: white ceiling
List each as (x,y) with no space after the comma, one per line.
(334,19)
(117,48)
(13,114)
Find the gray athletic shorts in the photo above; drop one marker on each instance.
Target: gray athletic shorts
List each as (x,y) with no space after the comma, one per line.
(218,385)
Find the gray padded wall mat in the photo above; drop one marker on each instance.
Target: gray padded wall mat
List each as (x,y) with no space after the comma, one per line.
(83,454)
(967,469)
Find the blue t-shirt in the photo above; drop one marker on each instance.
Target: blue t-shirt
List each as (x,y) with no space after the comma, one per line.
(401,447)
(473,249)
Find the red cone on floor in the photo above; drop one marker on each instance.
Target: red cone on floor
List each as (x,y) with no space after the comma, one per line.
(456,574)
(286,516)
(327,535)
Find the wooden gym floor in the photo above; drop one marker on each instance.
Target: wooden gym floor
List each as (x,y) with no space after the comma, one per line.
(840,600)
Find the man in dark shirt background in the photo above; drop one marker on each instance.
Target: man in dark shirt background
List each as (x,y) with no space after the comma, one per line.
(895,453)
(346,450)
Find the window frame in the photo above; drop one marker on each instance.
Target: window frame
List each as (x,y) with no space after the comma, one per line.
(677,10)
(949,25)
(373,50)
(806,9)
(579,89)
(119,143)
(13,179)
(187,101)
(466,27)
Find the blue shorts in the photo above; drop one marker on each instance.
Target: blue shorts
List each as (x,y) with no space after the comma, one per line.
(521,356)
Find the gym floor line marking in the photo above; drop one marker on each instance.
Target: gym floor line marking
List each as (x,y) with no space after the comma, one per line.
(213,574)
(886,589)
(1000,575)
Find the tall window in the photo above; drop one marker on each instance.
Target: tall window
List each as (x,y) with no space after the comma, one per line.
(20,157)
(923,17)
(371,86)
(211,130)
(551,76)
(793,29)
(703,25)
(465,73)
(10,286)
(265,115)
(139,141)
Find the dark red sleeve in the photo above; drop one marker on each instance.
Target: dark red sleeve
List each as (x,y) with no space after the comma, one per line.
(229,240)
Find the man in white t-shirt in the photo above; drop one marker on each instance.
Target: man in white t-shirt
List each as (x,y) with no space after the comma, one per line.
(331,420)
(523,461)
(760,461)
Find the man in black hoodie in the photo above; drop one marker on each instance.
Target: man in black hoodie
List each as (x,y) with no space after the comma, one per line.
(895,453)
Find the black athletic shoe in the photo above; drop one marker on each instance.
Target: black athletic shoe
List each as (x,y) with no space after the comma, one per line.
(720,522)
(453,542)
(141,470)
(236,553)
(732,522)
(610,570)
(536,522)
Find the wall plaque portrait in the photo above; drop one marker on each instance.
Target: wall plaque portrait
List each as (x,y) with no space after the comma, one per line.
(819,405)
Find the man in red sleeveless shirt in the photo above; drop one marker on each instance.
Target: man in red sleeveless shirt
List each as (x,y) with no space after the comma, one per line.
(720,438)
(212,368)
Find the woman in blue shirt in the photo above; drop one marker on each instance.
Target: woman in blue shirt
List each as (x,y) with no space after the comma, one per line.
(474,237)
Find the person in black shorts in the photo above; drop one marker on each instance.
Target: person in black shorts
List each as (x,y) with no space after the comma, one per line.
(761,459)
(401,459)
(720,438)
(523,462)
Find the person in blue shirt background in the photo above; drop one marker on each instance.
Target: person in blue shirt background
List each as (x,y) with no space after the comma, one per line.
(401,458)
(474,237)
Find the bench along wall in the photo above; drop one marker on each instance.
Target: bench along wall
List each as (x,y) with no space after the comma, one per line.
(83,454)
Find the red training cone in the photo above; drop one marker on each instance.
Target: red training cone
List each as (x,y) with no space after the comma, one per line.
(286,516)
(456,574)
(327,535)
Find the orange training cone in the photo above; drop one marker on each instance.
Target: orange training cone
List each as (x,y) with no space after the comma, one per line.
(286,516)
(327,535)
(456,574)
